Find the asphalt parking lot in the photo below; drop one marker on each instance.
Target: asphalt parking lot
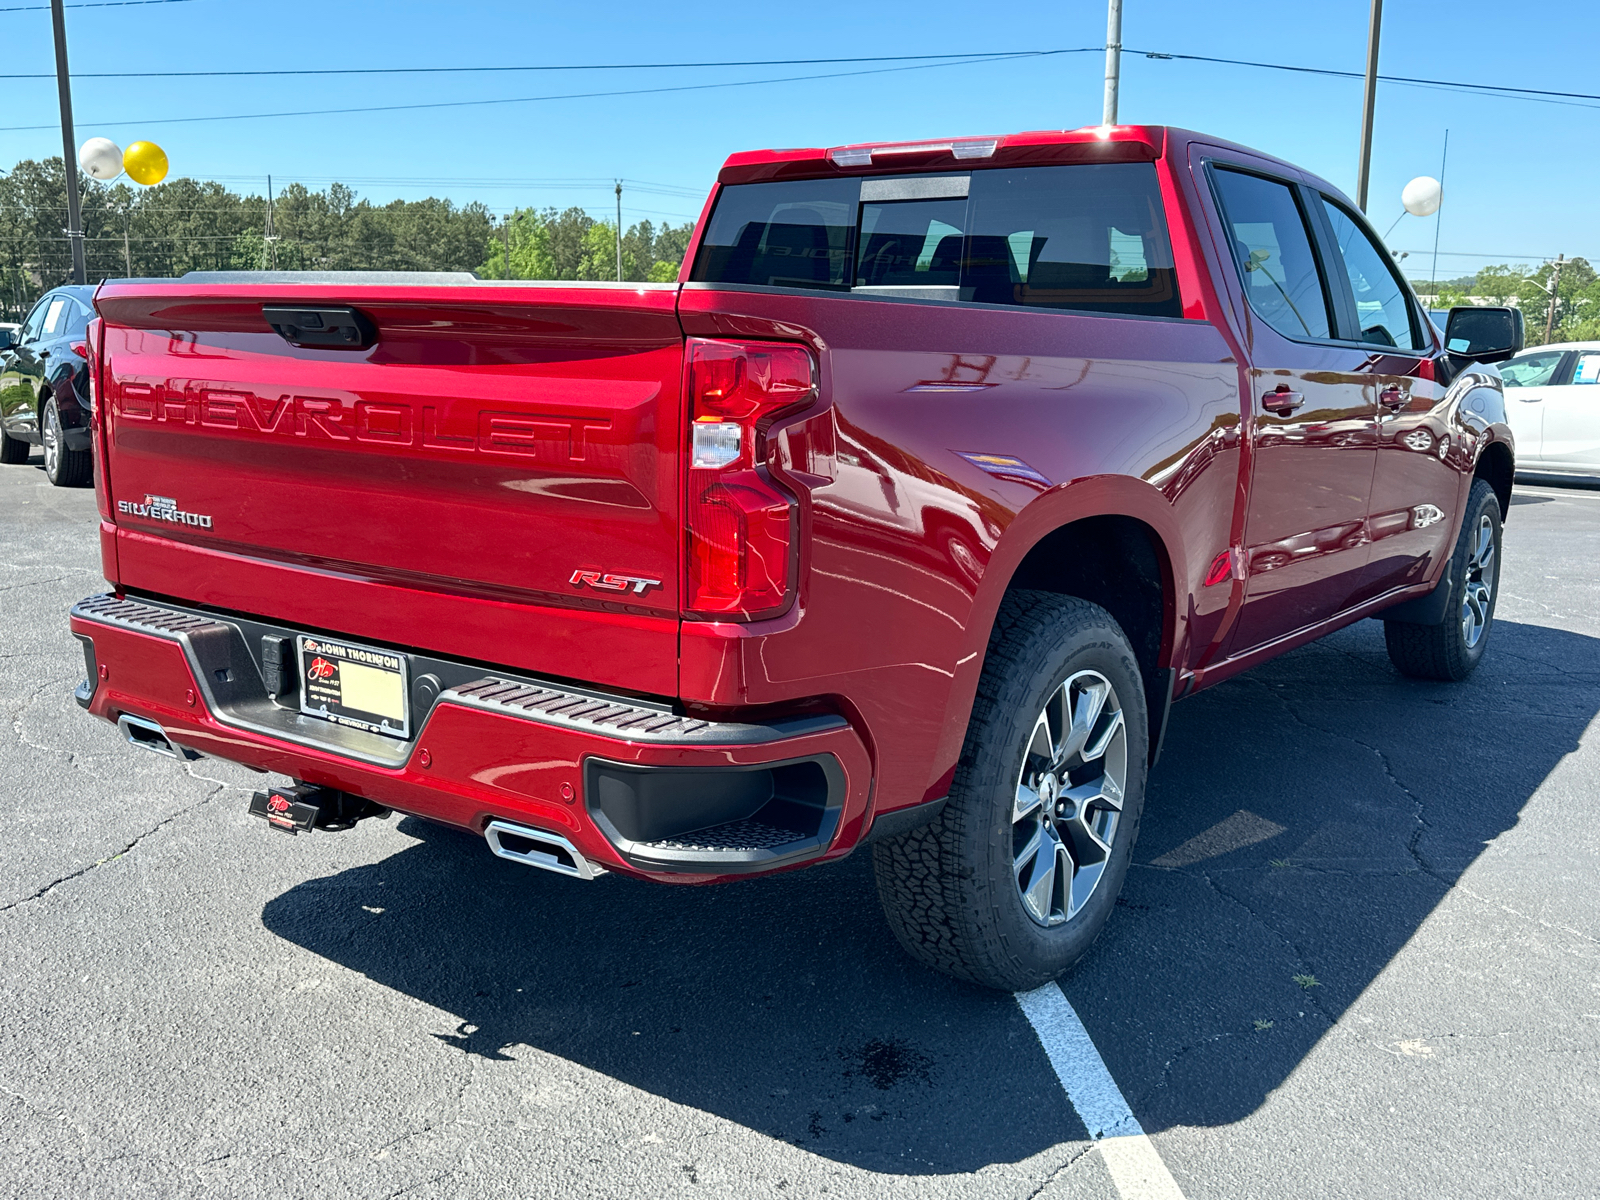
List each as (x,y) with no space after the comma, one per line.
(1356,957)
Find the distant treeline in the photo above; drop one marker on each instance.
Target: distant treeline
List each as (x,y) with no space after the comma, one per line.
(194,225)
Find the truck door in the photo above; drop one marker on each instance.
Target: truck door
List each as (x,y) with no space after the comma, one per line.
(1418,486)
(1312,410)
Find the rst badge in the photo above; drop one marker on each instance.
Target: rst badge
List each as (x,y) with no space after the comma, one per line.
(163,508)
(605,581)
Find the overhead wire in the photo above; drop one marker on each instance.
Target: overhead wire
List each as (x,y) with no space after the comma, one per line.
(441,104)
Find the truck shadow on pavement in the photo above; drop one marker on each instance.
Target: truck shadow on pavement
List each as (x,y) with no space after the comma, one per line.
(1304,821)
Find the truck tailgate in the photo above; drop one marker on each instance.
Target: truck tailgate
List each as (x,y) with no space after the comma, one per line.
(465,485)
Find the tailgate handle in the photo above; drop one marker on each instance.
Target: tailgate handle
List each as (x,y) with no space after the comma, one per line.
(321,328)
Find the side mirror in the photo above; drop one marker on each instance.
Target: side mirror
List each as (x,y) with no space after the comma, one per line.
(8,338)
(1485,335)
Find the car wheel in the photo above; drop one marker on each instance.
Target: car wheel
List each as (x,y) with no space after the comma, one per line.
(13,450)
(1451,649)
(1018,875)
(63,467)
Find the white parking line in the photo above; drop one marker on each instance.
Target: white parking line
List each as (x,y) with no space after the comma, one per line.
(1136,1168)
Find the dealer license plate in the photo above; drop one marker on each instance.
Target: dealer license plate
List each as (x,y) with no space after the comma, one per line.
(358,686)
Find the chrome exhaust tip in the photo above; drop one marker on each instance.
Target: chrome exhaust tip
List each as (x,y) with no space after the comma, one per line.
(539,848)
(150,736)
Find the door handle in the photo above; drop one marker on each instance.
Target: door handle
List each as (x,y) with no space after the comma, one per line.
(44,354)
(1282,401)
(1394,398)
(1530,399)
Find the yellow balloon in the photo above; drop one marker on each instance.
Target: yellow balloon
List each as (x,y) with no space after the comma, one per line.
(145,162)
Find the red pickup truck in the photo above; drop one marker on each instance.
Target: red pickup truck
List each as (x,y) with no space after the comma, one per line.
(901,518)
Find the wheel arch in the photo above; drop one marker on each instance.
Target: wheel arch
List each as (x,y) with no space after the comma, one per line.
(1497,466)
(1111,540)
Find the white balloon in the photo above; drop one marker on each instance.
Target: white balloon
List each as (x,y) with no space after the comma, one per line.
(1422,196)
(100,158)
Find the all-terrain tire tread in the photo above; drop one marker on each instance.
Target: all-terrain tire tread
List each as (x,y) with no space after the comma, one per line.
(935,904)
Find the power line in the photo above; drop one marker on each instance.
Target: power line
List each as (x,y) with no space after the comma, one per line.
(479,69)
(1505,93)
(91,4)
(688,87)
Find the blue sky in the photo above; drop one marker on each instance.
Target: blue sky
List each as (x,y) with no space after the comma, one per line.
(1520,184)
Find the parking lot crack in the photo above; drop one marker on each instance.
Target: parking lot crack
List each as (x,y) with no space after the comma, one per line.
(1061,1169)
(1414,842)
(126,850)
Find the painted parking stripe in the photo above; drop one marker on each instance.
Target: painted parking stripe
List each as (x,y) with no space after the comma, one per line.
(1129,1154)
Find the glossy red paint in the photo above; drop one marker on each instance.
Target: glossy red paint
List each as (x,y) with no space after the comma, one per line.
(443,490)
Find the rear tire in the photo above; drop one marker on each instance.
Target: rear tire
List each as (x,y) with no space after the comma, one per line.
(1452,649)
(1017,877)
(13,450)
(62,467)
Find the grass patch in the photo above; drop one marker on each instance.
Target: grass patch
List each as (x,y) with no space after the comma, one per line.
(1307,981)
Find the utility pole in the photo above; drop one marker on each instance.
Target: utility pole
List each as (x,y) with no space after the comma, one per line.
(270,237)
(1369,101)
(127,255)
(619,231)
(505,235)
(1113,60)
(1550,312)
(69,153)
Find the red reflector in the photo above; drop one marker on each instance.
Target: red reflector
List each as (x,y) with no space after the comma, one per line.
(739,524)
(1221,568)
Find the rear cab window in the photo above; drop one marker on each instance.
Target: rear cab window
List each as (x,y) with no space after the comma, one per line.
(1087,238)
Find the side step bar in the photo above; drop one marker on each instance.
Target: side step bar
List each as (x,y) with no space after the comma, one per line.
(151,736)
(539,848)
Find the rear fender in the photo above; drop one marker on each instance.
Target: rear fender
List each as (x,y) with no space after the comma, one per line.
(1098,496)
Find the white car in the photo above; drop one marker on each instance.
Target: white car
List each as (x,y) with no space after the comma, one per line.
(1553,406)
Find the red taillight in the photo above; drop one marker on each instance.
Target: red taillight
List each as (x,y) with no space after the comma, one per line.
(740,525)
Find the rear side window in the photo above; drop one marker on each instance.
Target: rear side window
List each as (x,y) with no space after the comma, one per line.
(1272,247)
(1587,369)
(1089,238)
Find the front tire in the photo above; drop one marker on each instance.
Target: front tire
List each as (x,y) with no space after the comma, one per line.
(1017,877)
(1452,649)
(62,467)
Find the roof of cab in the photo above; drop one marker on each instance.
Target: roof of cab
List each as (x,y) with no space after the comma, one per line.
(1040,147)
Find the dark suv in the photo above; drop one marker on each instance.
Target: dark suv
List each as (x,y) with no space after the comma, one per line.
(44,387)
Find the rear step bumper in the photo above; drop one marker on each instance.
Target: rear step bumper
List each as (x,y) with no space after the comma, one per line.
(623,784)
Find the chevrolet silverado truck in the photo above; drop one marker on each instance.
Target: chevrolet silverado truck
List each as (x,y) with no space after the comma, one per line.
(900,519)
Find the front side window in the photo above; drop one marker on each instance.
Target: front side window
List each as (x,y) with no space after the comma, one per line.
(1272,247)
(1089,238)
(1532,370)
(1382,314)
(34,325)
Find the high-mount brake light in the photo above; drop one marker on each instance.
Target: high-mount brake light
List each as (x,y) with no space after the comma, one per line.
(740,525)
(863,156)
